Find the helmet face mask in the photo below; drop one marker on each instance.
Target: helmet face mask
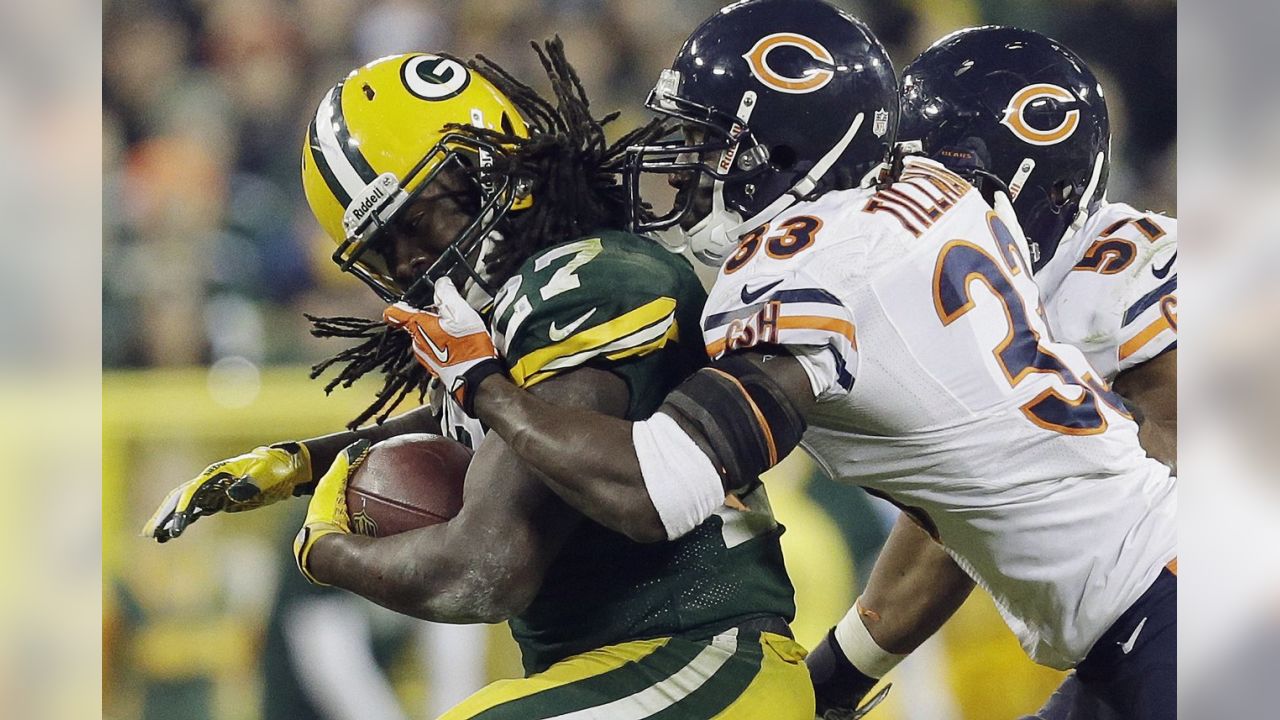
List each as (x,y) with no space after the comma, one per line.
(363,252)
(726,154)
(793,97)
(385,135)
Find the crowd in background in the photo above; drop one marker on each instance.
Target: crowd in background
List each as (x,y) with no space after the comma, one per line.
(209,251)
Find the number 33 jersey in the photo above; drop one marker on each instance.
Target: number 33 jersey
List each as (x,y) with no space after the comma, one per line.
(913,311)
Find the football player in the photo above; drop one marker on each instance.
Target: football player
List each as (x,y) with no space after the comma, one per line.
(1022,118)
(897,328)
(423,170)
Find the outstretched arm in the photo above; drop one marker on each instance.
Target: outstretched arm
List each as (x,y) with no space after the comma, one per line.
(268,474)
(324,450)
(587,458)
(653,479)
(915,587)
(486,564)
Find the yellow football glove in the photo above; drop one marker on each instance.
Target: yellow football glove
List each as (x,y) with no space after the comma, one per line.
(259,477)
(327,513)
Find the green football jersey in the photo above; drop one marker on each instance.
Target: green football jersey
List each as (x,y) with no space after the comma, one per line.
(615,301)
(621,303)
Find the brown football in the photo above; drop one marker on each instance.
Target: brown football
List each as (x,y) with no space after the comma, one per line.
(405,483)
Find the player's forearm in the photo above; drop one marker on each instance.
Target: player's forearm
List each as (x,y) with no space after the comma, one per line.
(324,449)
(915,587)
(1151,392)
(586,458)
(1159,437)
(423,573)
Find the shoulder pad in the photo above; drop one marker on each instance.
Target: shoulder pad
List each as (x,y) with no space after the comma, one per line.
(785,308)
(1118,302)
(606,297)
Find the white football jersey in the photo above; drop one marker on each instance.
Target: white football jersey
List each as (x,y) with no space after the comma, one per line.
(914,313)
(1111,289)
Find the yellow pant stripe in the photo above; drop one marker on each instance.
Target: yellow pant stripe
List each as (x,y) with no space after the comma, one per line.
(752,677)
(570,670)
(781,690)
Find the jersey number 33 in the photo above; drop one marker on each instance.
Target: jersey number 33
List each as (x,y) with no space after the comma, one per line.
(1070,403)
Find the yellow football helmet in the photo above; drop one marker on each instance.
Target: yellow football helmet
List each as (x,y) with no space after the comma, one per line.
(379,138)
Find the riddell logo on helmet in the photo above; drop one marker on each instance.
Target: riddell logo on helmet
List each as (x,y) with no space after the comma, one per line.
(369,202)
(812,80)
(373,196)
(1016,122)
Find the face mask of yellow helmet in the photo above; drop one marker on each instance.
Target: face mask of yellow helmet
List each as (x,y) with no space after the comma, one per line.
(386,134)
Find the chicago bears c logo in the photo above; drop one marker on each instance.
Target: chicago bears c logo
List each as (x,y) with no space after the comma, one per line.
(1014,120)
(434,78)
(813,79)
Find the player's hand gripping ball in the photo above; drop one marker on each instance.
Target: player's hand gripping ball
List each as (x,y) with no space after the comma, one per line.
(327,513)
(407,482)
(259,477)
(450,340)
(401,484)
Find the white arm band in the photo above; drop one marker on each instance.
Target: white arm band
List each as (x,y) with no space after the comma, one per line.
(682,483)
(861,649)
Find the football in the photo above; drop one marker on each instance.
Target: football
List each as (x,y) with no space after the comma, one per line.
(407,482)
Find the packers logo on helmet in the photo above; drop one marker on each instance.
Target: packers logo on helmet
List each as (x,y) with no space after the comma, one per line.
(434,78)
(382,135)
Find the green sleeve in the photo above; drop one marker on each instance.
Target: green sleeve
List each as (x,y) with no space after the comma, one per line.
(614,301)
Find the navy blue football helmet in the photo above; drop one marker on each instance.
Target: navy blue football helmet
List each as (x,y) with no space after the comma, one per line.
(1015,111)
(778,99)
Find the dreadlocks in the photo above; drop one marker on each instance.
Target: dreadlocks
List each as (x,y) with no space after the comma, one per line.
(571,171)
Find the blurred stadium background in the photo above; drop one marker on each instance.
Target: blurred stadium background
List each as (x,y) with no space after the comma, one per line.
(210,257)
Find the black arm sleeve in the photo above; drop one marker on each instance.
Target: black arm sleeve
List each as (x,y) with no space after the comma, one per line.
(747,421)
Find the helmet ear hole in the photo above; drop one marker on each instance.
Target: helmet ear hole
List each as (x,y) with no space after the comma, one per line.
(782,157)
(507,126)
(1063,191)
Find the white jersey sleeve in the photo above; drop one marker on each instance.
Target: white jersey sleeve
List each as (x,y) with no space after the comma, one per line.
(1112,288)
(775,299)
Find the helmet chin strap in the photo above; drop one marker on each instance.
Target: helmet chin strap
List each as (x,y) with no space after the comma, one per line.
(1082,214)
(1003,206)
(1087,198)
(716,235)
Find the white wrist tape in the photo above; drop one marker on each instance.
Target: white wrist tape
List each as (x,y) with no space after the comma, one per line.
(683,484)
(861,649)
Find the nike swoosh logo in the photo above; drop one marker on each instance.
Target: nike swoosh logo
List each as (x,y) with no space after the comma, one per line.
(441,355)
(559,333)
(1127,646)
(749,297)
(1161,272)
